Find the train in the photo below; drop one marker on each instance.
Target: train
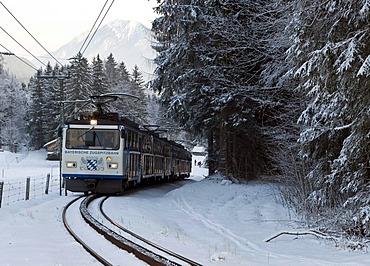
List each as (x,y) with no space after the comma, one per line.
(108,153)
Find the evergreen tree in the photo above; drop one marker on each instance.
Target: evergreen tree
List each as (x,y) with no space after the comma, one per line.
(123,84)
(44,115)
(178,78)
(211,56)
(99,78)
(157,116)
(331,50)
(133,108)
(35,117)
(79,85)
(111,71)
(14,109)
(117,78)
(138,89)
(123,74)
(137,77)
(14,127)
(51,93)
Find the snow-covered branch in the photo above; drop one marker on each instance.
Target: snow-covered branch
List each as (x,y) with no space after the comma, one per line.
(304,233)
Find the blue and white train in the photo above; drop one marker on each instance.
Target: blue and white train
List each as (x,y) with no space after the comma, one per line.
(108,154)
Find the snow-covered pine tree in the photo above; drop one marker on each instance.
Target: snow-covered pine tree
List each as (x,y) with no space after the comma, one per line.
(138,89)
(98,77)
(209,64)
(179,64)
(137,78)
(52,97)
(36,123)
(13,109)
(111,70)
(282,102)
(331,49)
(123,74)
(167,127)
(122,84)
(79,85)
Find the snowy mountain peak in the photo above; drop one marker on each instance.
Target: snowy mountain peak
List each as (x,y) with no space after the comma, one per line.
(125,28)
(128,41)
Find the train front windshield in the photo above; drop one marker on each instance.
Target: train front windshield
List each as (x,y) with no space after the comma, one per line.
(92,139)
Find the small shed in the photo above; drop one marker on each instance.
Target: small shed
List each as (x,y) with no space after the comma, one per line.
(52,148)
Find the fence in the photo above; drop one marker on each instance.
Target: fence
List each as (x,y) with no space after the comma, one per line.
(28,188)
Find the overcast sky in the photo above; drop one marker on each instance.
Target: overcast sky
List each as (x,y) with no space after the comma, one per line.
(55,22)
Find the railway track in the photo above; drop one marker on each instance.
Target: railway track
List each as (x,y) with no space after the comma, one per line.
(77,238)
(142,248)
(144,240)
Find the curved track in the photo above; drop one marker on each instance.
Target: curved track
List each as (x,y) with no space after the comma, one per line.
(169,252)
(79,240)
(142,253)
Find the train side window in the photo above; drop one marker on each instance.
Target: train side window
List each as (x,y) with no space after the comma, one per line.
(127,140)
(135,141)
(148,144)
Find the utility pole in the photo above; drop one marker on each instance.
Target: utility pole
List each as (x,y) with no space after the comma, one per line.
(61,79)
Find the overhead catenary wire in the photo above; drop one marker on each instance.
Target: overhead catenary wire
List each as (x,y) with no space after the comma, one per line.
(98,26)
(88,35)
(18,57)
(22,46)
(30,35)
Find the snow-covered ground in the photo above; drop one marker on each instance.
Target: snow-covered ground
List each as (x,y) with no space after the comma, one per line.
(209,220)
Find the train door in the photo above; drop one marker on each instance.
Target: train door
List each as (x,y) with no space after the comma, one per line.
(125,154)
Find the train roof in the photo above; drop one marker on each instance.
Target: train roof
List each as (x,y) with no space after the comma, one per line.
(105,119)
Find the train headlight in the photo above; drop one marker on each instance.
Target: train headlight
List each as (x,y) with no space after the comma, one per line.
(112,165)
(71,164)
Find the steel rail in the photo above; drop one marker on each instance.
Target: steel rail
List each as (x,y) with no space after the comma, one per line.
(79,240)
(167,251)
(140,252)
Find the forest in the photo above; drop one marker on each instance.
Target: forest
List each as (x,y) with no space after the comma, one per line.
(31,114)
(276,88)
(279,89)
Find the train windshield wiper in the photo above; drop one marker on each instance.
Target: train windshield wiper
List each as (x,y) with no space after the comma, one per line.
(84,133)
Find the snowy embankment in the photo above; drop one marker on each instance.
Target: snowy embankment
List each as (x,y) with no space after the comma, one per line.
(209,220)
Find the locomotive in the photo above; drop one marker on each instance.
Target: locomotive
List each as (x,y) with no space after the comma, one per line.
(106,153)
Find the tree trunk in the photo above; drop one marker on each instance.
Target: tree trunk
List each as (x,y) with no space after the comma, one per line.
(211,154)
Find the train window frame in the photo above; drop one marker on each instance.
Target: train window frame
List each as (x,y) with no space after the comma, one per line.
(147,144)
(87,138)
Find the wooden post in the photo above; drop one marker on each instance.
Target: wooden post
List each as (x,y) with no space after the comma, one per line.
(1,191)
(47,184)
(28,183)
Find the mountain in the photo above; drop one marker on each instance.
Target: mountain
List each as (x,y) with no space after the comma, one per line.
(19,69)
(128,41)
